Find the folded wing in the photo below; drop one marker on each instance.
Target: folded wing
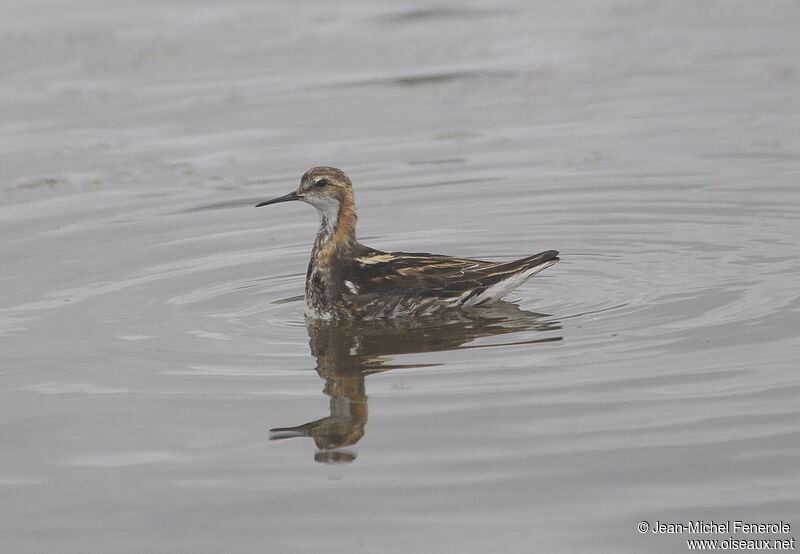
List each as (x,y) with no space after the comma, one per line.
(464,281)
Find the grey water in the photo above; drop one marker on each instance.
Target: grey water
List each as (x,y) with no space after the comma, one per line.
(151,320)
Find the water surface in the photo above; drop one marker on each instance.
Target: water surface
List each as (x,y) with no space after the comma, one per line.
(152,322)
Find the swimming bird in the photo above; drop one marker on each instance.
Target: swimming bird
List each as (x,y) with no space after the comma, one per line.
(348,280)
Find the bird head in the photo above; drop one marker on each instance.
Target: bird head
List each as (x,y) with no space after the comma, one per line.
(325,188)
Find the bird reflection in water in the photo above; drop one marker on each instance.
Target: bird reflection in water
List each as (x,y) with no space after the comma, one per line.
(349,351)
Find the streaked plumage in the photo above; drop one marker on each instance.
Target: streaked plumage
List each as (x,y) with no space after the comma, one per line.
(348,280)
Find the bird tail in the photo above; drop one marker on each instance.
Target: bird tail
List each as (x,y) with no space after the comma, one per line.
(548,256)
(507,276)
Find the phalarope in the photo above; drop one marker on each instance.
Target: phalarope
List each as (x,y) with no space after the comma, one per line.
(348,280)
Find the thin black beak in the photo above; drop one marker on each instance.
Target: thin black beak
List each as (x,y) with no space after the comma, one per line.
(285,198)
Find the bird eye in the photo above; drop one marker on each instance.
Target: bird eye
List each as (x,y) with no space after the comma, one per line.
(321,183)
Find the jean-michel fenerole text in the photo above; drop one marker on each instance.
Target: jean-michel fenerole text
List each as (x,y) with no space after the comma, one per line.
(722,527)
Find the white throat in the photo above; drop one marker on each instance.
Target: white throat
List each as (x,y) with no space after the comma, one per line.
(328,209)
